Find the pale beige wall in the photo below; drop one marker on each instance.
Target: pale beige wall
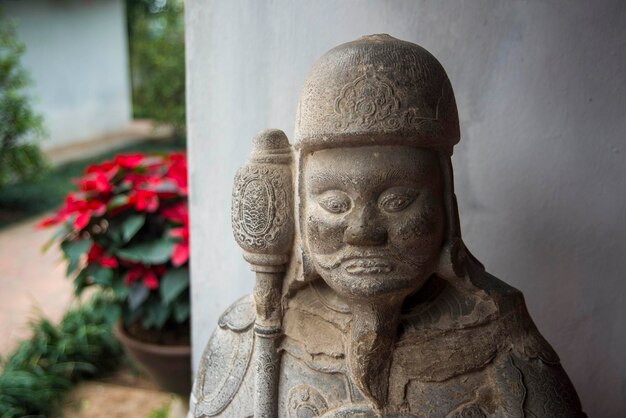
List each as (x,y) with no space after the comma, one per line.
(540,171)
(77,56)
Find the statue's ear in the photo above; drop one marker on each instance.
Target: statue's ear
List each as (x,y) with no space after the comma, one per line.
(301,271)
(305,272)
(452,259)
(308,270)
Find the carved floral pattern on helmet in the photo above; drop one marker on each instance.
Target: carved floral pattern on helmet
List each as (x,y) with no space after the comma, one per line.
(377,89)
(367,101)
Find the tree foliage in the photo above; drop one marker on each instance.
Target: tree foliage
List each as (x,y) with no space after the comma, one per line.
(157,60)
(20,125)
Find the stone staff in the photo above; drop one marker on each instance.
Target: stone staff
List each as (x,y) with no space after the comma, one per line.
(262,219)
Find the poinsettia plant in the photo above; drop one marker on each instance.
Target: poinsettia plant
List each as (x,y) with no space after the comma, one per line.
(126,230)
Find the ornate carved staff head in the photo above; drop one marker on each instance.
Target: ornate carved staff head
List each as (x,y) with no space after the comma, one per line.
(262,210)
(262,219)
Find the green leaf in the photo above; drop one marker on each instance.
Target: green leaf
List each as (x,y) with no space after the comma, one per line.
(131,226)
(112,313)
(156,315)
(102,276)
(73,250)
(115,233)
(80,282)
(154,252)
(137,294)
(161,316)
(119,288)
(60,232)
(132,316)
(147,320)
(173,283)
(181,311)
(117,201)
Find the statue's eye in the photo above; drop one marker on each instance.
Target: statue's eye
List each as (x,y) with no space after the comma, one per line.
(335,202)
(396,199)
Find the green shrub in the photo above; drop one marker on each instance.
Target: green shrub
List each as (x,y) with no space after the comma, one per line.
(20,157)
(37,375)
(157,60)
(161,412)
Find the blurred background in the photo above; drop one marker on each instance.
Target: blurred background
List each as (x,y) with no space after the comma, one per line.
(80,82)
(540,171)
(84,77)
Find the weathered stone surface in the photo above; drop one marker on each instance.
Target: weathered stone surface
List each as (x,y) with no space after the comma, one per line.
(367,302)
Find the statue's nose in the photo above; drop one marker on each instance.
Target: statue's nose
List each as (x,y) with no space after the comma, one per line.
(364,230)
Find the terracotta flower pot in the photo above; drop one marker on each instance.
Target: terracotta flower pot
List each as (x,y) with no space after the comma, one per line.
(169,366)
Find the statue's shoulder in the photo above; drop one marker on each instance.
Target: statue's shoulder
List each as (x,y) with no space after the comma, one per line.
(221,376)
(497,289)
(513,321)
(549,391)
(239,316)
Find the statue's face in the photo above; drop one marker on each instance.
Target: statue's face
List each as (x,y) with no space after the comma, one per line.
(373,218)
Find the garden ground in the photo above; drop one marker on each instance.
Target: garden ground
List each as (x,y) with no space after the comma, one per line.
(33,284)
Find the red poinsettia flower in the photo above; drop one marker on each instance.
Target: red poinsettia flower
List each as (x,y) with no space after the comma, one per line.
(177,212)
(100,167)
(97,254)
(144,200)
(180,250)
(83,209)
(109,168)
(148,274)
(81,220)
(95,182)
(177,171)
(128,160)
(48,221)
(119,197)
(77,207)
(133,179)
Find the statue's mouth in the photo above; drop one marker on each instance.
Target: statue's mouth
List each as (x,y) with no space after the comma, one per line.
(368,265)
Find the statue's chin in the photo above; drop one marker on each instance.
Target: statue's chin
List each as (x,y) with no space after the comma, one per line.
(372,282)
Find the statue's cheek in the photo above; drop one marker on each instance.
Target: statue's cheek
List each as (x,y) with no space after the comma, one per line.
(420,228)
(324,233)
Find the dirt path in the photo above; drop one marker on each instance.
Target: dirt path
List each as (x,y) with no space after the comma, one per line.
(124,395)
(29,281)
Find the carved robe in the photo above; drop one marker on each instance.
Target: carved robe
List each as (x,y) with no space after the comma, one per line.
(465,349)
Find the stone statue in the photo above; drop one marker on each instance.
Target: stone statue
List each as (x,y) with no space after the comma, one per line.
(367,303)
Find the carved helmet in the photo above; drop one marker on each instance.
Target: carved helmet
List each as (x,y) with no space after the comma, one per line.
(377,89)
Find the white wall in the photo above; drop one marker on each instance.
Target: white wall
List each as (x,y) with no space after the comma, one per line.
(77,55)
(540,171)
